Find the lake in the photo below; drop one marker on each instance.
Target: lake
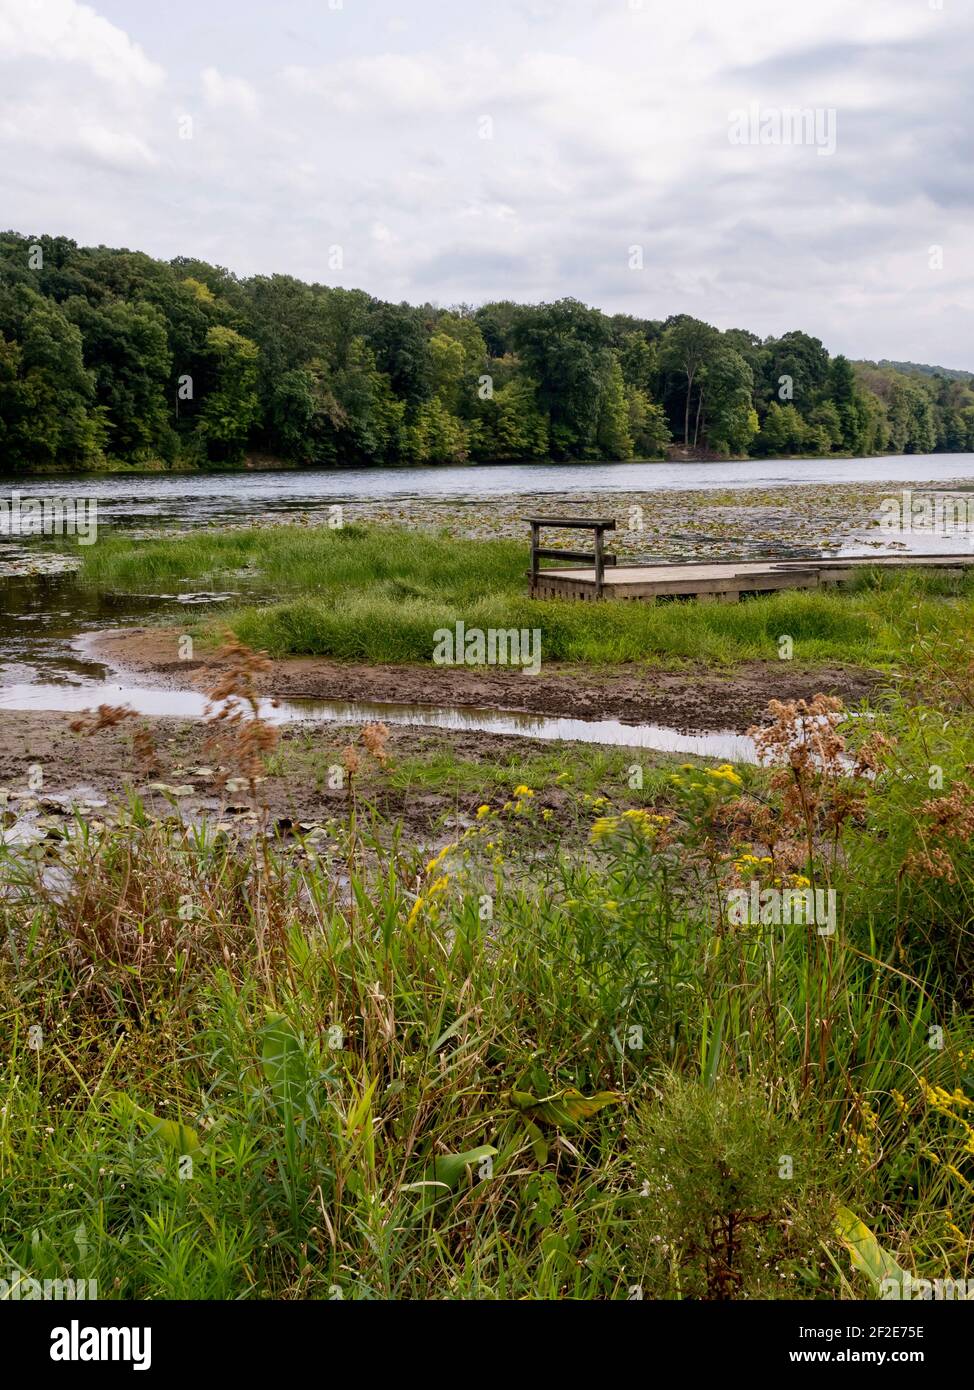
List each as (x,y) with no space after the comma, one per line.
(201,499)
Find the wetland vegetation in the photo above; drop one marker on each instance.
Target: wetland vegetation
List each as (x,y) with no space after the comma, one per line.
(537,1059)
(485,1025)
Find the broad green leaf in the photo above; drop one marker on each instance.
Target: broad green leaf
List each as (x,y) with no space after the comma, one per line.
(447,1170)
(554,1246)
(539,1143)
(282,1062)
(450,1168)
(564,1108)
(716,1043)
(865,1251)
(172,1132)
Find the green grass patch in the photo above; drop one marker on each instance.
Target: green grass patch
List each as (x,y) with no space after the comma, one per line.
(319,561)
(380,593)
(574,768)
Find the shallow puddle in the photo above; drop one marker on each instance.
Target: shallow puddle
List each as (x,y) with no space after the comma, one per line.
(190,704)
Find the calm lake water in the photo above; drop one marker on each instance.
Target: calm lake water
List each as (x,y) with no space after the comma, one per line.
(194,499)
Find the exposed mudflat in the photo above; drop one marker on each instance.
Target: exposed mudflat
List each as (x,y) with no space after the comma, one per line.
(689,699)
(85,771)
(46,768)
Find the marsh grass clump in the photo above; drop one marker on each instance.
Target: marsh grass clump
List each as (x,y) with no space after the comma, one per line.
(378,593)
(911,877)
(732,1202)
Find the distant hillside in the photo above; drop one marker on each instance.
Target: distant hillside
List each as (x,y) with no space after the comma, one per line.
(924,369)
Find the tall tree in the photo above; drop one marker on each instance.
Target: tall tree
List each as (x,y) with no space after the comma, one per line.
(727,387)
(230,407)
(614,438)
(686,347)
(47,395)
(564,347)
(125,346)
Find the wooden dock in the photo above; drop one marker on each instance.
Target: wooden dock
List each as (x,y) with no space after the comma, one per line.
(723,583)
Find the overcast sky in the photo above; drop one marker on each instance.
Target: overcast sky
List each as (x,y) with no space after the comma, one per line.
(361,124)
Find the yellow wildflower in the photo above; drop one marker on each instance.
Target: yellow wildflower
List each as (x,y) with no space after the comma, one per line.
(434,864)
(725,773)
(605,825)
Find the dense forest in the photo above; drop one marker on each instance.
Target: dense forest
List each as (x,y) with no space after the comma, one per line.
(110,357)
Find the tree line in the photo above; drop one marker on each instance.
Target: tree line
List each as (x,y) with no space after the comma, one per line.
(110,356)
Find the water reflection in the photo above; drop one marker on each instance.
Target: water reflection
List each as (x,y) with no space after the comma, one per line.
(191,704)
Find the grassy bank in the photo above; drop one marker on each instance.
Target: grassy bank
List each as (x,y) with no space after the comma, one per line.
(379,594)
(539,1064)
(573,769)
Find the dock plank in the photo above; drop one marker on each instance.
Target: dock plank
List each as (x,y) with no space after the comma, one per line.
(726,581)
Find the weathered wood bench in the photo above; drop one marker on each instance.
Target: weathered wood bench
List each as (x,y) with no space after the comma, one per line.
(598,556)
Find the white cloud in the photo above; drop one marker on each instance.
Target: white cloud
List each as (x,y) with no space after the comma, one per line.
(609,127)
(229,93)
(384,81)
(119,149)
(63,31)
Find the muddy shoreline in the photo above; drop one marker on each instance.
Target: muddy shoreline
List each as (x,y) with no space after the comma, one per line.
(103,765)
(100,769)
(691,699)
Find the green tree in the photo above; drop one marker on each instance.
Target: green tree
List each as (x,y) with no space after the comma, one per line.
(436,436)
(647,425)
(47,396)
(639,360)
(967,416)
(564,347)
(911,419)
(511,424)
(497,322)
(854,412)
(230,407)
(397,335)
(687,345)
(126,347)
(726,387)
(783,430)
(448,369)
(796,369)
(755,353)
(613,436)
(825,418)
